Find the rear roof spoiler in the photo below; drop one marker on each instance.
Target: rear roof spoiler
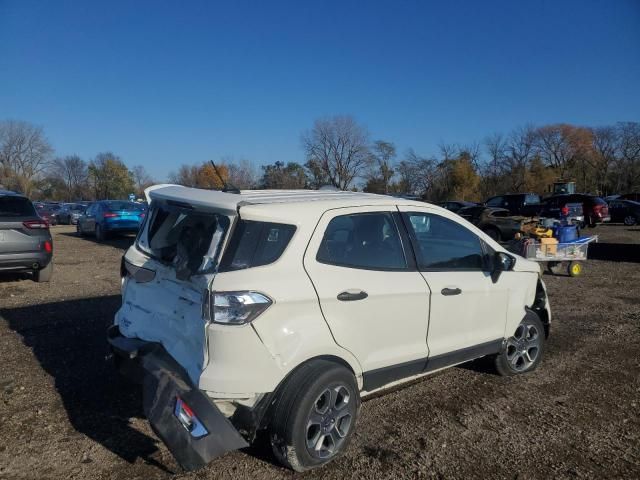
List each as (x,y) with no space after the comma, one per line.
(222,202)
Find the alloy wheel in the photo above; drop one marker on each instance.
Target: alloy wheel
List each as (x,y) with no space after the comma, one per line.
(523,347)
(329,421)
(629,220)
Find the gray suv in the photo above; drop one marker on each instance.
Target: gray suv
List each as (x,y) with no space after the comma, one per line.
(25,240)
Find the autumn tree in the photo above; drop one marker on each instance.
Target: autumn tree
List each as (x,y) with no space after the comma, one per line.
(338,147)
(201,176)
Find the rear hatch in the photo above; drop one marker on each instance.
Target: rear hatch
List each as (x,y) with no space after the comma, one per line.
(572,210)
(170,268)
(21,229)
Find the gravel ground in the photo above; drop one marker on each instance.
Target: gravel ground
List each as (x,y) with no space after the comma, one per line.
(64,413)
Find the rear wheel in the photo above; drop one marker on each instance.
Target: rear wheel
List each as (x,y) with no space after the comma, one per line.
(315,416)
(44,274)
(523,350)
(101,235)
(574,269)
(630,220)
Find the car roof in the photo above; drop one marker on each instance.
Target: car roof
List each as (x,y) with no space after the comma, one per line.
(279,203)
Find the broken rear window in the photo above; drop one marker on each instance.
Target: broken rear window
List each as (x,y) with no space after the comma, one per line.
(183,237)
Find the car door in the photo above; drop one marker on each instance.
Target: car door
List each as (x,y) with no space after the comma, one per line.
(373,299)
(89,218)
(617,210)
(468,310)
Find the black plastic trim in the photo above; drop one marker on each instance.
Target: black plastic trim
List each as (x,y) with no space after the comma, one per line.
(380,377)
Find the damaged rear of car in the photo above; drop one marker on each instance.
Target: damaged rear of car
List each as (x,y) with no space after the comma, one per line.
(159,335)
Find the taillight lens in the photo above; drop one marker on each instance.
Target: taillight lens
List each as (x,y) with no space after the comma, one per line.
(110,215)
(235,308)
(48,247)
(36,224)
(565,210)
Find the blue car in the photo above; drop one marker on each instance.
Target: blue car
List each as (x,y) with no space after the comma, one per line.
(109,217)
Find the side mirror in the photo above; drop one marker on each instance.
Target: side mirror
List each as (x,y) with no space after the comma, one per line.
(502,262)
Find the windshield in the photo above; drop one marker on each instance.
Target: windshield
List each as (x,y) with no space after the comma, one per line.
(16,207)
(186,239)
(123,206)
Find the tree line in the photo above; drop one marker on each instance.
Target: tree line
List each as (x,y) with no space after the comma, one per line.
(339,151)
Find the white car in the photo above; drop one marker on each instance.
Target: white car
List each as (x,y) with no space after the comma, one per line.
(280,310)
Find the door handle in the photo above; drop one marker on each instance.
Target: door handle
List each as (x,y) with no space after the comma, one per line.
(352,295)
(451,291)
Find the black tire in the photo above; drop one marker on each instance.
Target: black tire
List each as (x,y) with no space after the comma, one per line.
(101,235)
(293,428)
(630,220)
(507,362)
(79,230)
(494,233)
(44,274)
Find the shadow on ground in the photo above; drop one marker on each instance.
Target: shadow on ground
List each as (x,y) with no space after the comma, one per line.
(117,241)
(68,338)
(615,252)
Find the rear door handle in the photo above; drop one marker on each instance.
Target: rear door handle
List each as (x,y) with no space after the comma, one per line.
(451,291)
(352,295)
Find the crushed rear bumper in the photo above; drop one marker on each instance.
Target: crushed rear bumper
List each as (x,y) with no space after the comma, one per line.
(183,416)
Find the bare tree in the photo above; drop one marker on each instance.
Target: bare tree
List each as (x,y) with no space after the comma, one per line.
(339,146)
(141,179)
(242,174)
(72,171)
(25,153)
(383,154)
(520,149)
(628,148)
(419,174)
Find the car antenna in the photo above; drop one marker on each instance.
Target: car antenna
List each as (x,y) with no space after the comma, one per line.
(226,187)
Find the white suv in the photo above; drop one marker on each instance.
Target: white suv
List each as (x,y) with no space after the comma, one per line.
(280,310)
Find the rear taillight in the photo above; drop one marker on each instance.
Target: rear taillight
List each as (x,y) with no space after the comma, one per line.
(565,210)
(234,308)
(47,246)
(110,215)
(597,209)
(36,224)
(188,419)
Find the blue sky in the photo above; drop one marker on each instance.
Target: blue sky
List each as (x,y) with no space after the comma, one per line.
(164,83)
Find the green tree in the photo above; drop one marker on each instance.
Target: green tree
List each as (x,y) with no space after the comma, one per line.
(109,177)
(281,176)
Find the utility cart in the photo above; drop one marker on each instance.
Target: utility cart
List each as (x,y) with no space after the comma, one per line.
(560,257)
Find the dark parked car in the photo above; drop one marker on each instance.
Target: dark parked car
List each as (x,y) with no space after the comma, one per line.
(498,223)
(595,209)
(625,211)
(110,216)
(69,213)
(456,205)
(630,196)
(25,240)
(525,204)
(561,207)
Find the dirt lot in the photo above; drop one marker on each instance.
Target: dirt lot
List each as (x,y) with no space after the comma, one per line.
(64,413)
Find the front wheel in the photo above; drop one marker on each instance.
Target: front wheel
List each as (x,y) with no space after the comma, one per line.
(315,416)
(630,220)
(523,350)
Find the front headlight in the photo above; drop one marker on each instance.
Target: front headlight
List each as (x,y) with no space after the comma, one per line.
(236,308)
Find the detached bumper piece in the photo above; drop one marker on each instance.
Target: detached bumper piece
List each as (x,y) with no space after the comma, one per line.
(185,419)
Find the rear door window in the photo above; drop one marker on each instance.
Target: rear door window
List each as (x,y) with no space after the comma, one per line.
(364,240)
(11,206)
(255,243)
(444,245)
